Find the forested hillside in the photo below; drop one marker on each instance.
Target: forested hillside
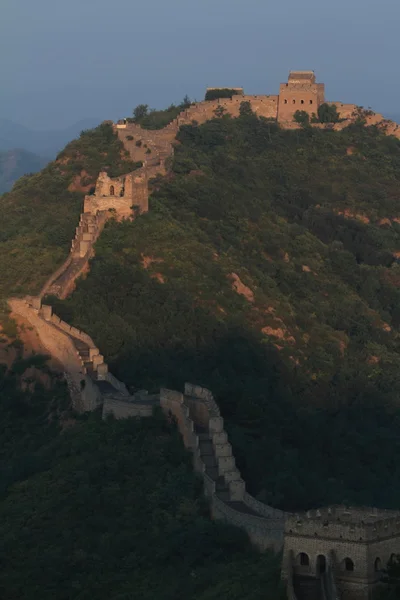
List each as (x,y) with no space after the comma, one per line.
(267,270)
(39,216)
(94,509)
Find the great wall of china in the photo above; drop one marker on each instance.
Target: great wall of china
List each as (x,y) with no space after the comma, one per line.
(92,386)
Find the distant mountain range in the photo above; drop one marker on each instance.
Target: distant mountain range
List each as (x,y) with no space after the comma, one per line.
(15,163)
(23,150)
(45,143)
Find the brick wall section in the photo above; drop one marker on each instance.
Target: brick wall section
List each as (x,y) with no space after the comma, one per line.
(60,345)
(263,524)
(123,409)
(362,535)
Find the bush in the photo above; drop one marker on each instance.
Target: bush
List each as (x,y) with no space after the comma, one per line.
(327,113)
(221,93)
(301,117)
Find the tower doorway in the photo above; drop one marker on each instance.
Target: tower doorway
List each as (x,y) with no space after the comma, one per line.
(321,565)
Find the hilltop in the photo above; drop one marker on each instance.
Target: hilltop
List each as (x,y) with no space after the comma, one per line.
(267,270)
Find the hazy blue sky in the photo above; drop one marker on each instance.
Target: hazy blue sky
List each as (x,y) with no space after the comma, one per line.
(64,60)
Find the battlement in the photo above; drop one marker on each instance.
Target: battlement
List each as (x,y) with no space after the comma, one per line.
(301,77)
(345,523)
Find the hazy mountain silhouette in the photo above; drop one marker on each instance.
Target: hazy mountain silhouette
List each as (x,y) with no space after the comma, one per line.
(15,163)
(45,143)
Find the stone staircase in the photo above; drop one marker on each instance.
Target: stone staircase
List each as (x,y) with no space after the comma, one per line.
(221,479)
(61,283)
(307,588)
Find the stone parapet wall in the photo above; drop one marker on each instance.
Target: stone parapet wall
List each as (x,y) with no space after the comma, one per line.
(263,533)
(73,331)
(123,409)
(264,509)
(54,276)
(61,347)
(116,383)
(265,529)
(329,526)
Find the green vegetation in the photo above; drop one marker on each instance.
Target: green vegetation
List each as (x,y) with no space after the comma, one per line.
(40,214)
(216,93)
(109,510)
(306,368)
(267,270)
(302,117)
(327,113)
(157,119)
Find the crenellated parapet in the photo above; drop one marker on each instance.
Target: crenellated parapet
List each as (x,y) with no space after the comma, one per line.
(202,428)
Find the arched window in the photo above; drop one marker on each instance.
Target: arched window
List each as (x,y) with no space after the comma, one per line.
(310,101)
(378,564)
(303,559)
(301,101)
(348,564)
(294,101)
(112,190)
(285,101)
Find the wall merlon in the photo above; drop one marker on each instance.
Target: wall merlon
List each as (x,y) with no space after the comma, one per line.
(98,360)
(102,370)
(93,352)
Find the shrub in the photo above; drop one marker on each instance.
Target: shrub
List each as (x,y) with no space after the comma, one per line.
(301,117)
(327,113)
(220,93)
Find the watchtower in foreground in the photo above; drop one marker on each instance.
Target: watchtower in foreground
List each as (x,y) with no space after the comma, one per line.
(339,551)
(301,92)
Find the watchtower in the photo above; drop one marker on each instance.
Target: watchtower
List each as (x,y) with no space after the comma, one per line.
(301,92)
(339,548)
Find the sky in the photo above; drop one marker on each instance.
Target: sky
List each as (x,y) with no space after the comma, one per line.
(66,60)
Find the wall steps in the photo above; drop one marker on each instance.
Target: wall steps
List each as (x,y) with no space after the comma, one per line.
(307,588)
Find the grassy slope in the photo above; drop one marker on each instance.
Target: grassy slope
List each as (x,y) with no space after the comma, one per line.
(249,199)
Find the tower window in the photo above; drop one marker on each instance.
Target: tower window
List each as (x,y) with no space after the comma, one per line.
(285,101)
(303,559)
(294,101)
(310,101)
(301,101)
(348,564)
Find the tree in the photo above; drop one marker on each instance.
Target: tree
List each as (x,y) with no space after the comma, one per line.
(216,93)
(140,112)
(245,109)
(327,113)
(186,102)
(219,111)
(301,117)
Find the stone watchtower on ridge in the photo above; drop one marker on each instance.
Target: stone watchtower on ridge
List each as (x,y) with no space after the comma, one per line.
(301,92)
(339,551)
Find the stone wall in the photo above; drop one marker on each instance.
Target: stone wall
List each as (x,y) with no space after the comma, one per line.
(60,345)
(265,525)
(123,409)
